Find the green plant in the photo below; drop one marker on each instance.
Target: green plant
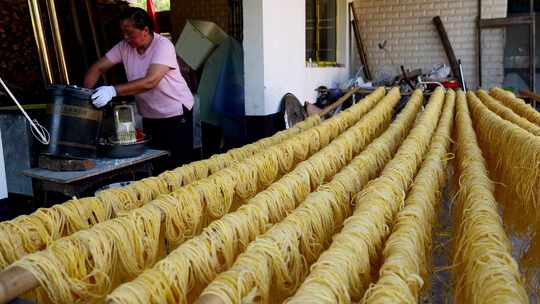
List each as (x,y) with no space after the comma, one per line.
(161,5)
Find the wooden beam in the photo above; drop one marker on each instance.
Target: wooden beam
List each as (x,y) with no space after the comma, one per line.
(210,299)
(531,95)
(448,49)
(14,282)
(339,102)
(40,106)
(505,22)
(359,43)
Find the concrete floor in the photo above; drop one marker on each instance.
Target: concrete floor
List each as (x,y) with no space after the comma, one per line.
(439,290)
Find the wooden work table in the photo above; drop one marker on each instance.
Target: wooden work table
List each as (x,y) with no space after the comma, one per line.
(75,183)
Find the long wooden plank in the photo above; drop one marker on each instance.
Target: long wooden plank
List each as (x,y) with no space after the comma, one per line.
(339,102)
(448,49)
(504,22)
(15,281)
(359,43)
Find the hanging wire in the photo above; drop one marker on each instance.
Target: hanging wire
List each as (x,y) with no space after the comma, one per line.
(38,131)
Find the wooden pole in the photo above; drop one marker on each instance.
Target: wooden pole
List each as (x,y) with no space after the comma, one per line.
(339,102)
(359,43)
(210,299)
(448,49)
(15,281)
(534,98)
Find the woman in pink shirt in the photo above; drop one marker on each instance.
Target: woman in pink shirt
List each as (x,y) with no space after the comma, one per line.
(162,95)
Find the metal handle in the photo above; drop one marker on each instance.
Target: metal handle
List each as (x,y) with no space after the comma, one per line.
(43,135)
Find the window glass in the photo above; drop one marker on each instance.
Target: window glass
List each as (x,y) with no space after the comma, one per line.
(321,31)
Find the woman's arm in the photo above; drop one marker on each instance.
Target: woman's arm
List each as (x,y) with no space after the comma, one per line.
(95,71)
(155,73)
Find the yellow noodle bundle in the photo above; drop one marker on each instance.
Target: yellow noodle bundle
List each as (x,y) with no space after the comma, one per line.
(485,271)
(518,105)
(134,195)
(79,214)
(275,264)
(221,192)
(83,266)
(513,158)
(245,179)
(213,195)
(34,232)
(30,233)
(343,272)
(506,113)
(184,214)
(407,250)
(179,277)
(172,180)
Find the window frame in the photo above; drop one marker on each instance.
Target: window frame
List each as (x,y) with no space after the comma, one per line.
(311,44)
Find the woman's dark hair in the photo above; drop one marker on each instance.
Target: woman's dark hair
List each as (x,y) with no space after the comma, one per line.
(139,17)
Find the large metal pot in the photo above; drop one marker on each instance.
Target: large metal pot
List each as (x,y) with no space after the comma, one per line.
(74,122)
(116,150)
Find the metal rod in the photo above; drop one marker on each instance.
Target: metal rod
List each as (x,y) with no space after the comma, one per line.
(41,44)
(78,33)
(92,27)
(532,42)
(479,43)
(461,76)
(57,39)
(93,31)
(42,133)
(317,33)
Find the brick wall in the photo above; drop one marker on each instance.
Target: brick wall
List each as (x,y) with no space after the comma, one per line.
(412,39)
(493,41)
(216,11)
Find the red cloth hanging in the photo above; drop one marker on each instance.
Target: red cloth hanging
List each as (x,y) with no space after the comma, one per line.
(151,9)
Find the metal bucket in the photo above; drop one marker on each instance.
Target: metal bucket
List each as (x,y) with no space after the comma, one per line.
(74,122)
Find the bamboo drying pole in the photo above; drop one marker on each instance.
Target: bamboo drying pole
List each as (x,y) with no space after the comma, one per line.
(210,299)
(534,98)
(15,281)
(339,102)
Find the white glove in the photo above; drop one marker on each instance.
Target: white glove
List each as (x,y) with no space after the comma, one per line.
(103,95)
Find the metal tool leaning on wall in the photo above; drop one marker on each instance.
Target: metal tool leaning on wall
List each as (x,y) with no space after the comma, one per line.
(39,132)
